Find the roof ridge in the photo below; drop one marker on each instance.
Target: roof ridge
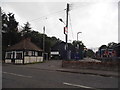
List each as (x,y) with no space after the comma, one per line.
(25,44)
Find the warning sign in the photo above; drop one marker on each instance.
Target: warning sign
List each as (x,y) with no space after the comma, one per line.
(65,30)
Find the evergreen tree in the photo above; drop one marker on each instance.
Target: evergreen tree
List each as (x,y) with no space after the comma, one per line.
(26,32)
(9,29)
(10,34)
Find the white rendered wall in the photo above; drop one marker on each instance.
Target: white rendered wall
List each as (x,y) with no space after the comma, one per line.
(32,59)
(8,61)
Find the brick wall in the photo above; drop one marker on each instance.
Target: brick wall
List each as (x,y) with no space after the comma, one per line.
(114,66)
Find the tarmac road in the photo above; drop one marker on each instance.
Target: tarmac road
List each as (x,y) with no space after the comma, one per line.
(21,76)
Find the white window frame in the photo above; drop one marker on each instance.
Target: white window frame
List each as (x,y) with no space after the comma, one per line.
(18,52)
(36,53)
(7,54)
(30,53)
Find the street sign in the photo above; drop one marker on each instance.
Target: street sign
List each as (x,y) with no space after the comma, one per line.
(65,30)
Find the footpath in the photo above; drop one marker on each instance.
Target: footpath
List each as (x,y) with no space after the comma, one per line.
(56,65)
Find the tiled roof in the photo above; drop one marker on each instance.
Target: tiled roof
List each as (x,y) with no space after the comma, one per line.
(24,44)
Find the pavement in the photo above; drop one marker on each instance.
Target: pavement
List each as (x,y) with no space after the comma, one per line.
(90,71)
(89,60)
(56,65)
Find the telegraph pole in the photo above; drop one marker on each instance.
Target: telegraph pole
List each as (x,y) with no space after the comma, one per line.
(43,41)
(67,21)
(44,38)
(66,30)
(66,35)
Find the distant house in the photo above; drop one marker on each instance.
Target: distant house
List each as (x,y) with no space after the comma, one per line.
(108,53)
(23,52)
(117,49)
(113,52)
(58,51)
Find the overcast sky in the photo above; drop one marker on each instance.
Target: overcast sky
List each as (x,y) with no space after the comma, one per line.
(98,21)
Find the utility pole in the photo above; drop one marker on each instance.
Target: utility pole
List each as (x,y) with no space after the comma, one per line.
(66,30)
(66,35)
(67,10)
(43,41)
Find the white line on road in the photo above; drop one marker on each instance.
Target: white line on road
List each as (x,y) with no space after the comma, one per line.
(17,74)
(77,85)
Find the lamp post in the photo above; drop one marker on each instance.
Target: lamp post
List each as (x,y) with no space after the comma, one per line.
(66,29)
(65,32)
(43,42)
(62,20)
(77,35)
(77,39)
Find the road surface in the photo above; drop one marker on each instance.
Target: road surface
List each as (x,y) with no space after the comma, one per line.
(16,76)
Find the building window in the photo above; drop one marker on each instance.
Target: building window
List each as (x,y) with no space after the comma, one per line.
(26,53)
(33,53)
(36,53)
(39,53)
(8,55)
(30,53)
(18,55)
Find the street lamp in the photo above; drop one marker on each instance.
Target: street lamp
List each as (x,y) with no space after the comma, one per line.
(43,42)
(62,20)
(65,29)
(65,32)
(77,35)
(77,38)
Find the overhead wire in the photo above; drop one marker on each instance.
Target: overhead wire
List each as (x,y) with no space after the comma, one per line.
(72,7)
(71,26)
(46,16)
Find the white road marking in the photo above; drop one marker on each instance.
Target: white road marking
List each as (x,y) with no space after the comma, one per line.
(17,74)
(77,85)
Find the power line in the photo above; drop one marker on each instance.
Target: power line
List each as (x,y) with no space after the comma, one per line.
(46,16)
(71,26)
